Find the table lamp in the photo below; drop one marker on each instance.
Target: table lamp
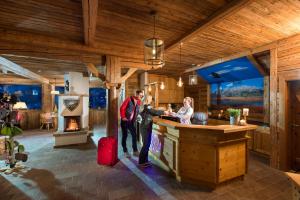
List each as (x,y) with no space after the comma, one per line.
(20,106)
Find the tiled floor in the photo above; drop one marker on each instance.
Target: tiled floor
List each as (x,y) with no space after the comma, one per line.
(72,173)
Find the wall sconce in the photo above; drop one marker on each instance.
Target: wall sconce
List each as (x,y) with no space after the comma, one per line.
(149,88)
(162,86)
(180,83)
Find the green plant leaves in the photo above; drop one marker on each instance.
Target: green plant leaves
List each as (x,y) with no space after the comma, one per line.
(11,131)
(21,148)
(16,131)
(6,131)
(234,112)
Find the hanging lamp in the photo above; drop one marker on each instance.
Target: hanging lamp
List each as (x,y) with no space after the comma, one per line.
(154,48)
(162,86)
(180,82)
(193,79)
(53,91)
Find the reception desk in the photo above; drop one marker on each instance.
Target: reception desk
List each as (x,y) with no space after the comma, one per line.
(201,154)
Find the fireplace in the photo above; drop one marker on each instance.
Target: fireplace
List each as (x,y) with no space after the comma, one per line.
(72,123)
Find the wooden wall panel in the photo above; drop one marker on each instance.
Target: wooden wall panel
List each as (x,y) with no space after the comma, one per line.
(131,85)
(289,54)
(97,118)
(30,119)
(200,94)
(285,66)
(171,94)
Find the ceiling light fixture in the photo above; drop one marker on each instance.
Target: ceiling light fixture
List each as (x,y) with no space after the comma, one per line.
(154,48)
(53,91)
(162,86)
(180,82)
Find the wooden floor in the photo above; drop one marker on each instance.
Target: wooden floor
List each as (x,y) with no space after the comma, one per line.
(72,173)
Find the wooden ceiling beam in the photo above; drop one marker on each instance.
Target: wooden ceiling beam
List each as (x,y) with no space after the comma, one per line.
(127,75)
(234,56)
(125,63)
(17,69)
(258,66)
(90,15)
(12,41)
(226,11)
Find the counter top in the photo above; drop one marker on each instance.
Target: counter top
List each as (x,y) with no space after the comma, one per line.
(221,128)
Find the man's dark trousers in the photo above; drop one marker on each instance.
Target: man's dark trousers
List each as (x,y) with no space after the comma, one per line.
(146,132)
(128,126)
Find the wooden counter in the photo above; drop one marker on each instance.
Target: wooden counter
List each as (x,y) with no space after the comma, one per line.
(201,154)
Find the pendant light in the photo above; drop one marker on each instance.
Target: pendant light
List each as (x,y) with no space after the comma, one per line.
(180,82)
(154,48)
(162,86)
(149,88)
(53,91)
(193,79)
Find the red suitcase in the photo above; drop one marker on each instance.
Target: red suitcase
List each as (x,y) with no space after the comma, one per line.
(107,151)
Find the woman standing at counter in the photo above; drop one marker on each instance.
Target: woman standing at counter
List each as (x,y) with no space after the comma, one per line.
(185,113)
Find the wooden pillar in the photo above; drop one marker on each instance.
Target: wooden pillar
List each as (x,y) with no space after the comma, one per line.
(112,112)
(273,109)
(46,98)
(113,74)
(267,99)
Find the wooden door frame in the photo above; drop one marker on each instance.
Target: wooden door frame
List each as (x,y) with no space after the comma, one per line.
(284,138)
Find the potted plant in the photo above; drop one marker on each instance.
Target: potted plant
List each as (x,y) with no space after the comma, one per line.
(234,115)
(14,149)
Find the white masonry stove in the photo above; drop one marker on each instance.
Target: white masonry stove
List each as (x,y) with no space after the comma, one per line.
(73,111)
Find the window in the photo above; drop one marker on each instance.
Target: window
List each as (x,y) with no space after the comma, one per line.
(30,94)
(97,98)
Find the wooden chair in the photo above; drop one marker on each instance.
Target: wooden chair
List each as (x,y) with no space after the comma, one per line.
(46,120)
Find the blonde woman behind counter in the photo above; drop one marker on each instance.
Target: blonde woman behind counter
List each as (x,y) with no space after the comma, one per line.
(185,113)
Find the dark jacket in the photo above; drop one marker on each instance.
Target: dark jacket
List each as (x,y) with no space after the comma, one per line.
(128,106)
(148,113)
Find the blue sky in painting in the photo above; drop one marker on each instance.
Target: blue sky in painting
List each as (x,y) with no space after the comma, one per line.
(234,70)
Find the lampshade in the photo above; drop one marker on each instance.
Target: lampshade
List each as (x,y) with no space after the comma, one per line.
(54,92)
(19,106)
(154,49)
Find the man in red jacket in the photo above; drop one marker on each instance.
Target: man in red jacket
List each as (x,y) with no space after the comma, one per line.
(129,111)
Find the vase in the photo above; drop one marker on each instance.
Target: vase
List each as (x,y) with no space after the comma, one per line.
(234,120)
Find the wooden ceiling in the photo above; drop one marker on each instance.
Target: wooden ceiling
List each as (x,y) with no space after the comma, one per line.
(54,37)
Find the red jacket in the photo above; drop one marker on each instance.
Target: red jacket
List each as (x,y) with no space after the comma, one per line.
(128,107)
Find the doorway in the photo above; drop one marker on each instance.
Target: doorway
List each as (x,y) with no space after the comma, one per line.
(294,123)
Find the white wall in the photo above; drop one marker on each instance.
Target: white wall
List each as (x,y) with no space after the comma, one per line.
(78,84)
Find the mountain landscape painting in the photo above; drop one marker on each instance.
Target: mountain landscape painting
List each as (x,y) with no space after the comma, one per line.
(239,93)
